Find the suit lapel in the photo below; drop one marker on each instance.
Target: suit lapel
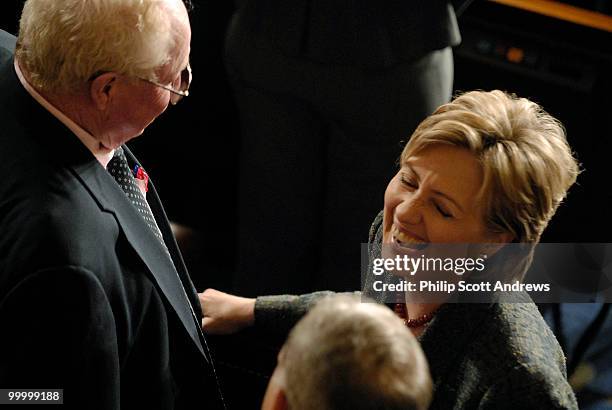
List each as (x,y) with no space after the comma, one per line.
(164,226)
(170,241)
(111,198)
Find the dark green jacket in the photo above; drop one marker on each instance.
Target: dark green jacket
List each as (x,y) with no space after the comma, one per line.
(481,356)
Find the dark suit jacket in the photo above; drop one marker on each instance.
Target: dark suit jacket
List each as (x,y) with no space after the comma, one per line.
(89,300)
(481,356)
(368,33)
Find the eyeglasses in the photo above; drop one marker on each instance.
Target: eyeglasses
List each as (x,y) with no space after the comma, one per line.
(183,91)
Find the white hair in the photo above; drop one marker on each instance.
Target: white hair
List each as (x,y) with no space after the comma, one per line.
(64,43)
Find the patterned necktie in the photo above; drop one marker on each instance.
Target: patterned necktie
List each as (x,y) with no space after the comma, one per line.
(119,168)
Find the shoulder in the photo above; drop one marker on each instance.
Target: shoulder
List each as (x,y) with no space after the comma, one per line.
(524,356)
(499,336)
(497,355)
(528,338)
(56,204)
(39,186)
(508,336)
(52,221)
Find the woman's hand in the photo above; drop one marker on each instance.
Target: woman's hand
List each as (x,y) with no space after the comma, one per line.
(224,313)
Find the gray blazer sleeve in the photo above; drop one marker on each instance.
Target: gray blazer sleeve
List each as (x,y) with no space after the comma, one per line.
(276,315)
(524,390)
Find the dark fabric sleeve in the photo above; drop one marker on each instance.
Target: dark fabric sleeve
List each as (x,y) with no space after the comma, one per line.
(58,332)
(276,315)
(523,389)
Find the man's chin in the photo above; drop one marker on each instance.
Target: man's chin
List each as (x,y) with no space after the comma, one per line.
(132,136)
(116,142)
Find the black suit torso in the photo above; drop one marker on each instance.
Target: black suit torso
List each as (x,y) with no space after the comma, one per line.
(89,299)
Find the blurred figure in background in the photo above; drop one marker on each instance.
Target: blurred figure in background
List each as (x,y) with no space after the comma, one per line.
(326,90)
(345,354)
(584,331)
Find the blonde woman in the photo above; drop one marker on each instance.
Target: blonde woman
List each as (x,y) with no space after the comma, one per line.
(487,168)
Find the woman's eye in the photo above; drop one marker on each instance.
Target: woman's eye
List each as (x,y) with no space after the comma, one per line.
(443,212)
(408,182)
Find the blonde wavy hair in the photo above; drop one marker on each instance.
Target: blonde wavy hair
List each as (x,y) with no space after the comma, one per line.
(527,164)
(64,43)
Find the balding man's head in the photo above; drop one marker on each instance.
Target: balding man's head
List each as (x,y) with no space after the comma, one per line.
(350,355)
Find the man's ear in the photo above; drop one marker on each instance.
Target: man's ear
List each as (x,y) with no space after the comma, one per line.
(102,89)
(275,398)
(280,400)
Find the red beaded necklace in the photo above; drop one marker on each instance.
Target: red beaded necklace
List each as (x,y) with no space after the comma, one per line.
(400,310)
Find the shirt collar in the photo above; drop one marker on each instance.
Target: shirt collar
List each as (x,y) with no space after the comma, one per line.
(102,154)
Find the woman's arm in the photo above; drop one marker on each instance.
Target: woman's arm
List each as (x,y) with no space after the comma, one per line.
(225,314)
(276,315)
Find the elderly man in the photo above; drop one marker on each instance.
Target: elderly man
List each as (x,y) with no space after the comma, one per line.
(94,296)
(349,355)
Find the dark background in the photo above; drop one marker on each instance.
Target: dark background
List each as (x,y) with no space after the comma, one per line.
(191,152)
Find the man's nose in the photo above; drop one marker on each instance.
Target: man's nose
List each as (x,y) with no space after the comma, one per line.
(410,211)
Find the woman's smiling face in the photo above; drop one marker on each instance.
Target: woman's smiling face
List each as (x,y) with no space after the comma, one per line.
(433,199)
